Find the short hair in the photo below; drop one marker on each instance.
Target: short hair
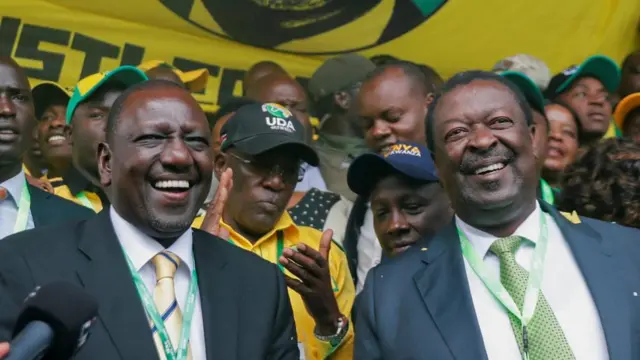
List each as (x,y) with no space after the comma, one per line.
(465,78)
(627,60)
(603,183)
(574,114)
(230,106)
(118,105)
(383,59)
(412,71)
(432,78)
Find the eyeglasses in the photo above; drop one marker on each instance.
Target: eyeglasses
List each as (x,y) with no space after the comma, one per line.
(266,168)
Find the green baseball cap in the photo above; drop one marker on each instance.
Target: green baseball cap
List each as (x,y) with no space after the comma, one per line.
(598,66)
(128,75)
(530,90)
(337,73)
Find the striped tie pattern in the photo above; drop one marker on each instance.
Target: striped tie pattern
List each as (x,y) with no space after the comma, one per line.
(164,296)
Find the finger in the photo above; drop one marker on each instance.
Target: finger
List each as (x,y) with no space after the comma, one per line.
(297,286)
(211,222)
(297,271)
(223,233)
(306,262)
(319,262)
(325,244)
(4,349)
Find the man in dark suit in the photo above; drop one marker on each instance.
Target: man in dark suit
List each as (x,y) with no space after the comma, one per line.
(478,291)
(156,170)
(23,206)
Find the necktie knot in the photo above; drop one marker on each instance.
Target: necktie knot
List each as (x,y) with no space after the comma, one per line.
(3,193)
(166,264)
(506,246)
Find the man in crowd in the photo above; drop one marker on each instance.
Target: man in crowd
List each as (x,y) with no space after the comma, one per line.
(463,297)
(87,115)
(23,206)
(392,106)
(627,116)
(334,88)
(263,145)
(156,167)
(407,201)
(587,89)
(630,78)
(194,81)
(528,65)
(50,104)
(258,71)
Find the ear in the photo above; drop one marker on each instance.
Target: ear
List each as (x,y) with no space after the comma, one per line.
(342,99)
(68,131)
(429,98)
(104,164)
(532,133)
(220,164)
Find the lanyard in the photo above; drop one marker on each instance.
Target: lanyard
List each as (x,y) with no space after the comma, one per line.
(147,300)
(497,289)
(85,201)
(23,210)
(547,192)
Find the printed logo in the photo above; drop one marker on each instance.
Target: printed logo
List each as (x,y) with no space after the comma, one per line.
(223,138)
(276,123)
(276,110)
(570,71)
(402,149)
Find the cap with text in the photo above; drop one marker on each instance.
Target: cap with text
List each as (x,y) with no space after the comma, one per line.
(257,128)
(195,80)
(598,66)
(49,93)
(409,159)
(128,75)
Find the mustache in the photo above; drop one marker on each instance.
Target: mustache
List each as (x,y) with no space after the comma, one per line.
(473,160)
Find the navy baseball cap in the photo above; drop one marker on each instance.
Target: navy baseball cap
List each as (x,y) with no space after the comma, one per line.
(411,160)
(257,128)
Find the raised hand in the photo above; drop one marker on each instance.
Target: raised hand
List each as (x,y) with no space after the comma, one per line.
(211,222)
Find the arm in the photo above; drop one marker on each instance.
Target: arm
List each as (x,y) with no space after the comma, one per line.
(284,341)
(367,346)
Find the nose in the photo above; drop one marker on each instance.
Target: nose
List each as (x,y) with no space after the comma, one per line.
(597,99)
(7,107)
(176,155)
(275,181)
(398,224)
(482,138)
(58,122)
(380,129)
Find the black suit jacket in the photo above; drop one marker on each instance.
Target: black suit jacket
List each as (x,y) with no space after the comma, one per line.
(245,305)
(49,209)
(419,306)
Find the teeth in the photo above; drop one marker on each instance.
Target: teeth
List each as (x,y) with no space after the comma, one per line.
(172,184)
(7,131)
(490,168)
(56,138)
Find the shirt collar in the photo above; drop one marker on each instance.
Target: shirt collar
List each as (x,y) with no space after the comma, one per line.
(15,185)
(285,223)
(481,241)
(141,248)
(76,182)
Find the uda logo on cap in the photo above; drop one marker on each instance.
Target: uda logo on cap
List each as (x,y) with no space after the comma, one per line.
(276,110)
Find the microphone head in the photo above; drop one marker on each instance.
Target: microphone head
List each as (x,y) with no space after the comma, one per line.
(67,308)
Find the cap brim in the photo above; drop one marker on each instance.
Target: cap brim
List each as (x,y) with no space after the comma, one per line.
(528,87)
(128,75)
(44,92)
(195,80)
(626,105)
(599,67)
(367,169)
(258,144)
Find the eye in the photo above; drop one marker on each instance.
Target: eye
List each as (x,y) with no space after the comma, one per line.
(580,94)
(380,213)
(455,134)
(149,138)
(413,208)
(501,122)
(96,115)
(20,97)
(197,142)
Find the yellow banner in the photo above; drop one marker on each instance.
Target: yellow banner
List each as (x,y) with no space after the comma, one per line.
(65,40)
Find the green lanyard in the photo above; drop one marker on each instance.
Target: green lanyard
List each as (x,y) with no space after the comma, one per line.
(147,300)
(23,210)
(280,248)
(547,192)
(497,289)
(85,201)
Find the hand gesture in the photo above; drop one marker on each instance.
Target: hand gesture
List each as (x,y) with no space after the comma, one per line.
(39,183)
(211,222)
(4,350)
(312,268)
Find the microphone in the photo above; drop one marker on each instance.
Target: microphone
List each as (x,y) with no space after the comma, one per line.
(54,323)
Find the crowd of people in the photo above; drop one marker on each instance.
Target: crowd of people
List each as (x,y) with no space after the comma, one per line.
(382,212)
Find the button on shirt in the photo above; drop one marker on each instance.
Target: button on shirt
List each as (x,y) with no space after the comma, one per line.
(9,206)
(563,286)
(141,249)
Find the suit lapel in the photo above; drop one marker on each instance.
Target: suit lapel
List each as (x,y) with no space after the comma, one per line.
(106,276)
(594,255)
(445,292)
(218,295)
(39,208)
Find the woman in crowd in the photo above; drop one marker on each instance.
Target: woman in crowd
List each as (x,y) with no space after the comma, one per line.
(604,183)
(564,141)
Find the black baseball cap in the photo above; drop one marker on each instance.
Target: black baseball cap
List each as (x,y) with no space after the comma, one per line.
(409,159)
(256,128)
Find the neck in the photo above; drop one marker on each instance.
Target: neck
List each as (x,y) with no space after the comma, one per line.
(7,171)
(511,219)
(58,167)
(228,219)
(587,139)
(340,124)
(552,177)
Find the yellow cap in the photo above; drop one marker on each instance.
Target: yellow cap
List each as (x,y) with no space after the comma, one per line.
(195,80)
(625,106)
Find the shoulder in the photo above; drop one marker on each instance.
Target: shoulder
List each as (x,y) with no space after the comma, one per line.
(60,203)
(614,231)
(236,256)
(403,265)
(40,238)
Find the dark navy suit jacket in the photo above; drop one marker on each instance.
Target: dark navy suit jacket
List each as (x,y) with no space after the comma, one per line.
(419,306)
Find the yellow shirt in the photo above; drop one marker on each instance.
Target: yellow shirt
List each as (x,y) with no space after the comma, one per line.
(269,247)
(84,198)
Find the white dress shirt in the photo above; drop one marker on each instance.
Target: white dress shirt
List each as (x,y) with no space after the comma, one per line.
(312,179)
(141,249)
(368,247)
(562,284)
(9,206)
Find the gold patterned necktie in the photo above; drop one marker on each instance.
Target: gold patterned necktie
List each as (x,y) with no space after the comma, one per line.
(546,339)
(164,296)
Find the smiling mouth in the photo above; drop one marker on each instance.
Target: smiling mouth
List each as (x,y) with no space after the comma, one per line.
(173,186)
(490,169)
(56,139)
(8,134)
